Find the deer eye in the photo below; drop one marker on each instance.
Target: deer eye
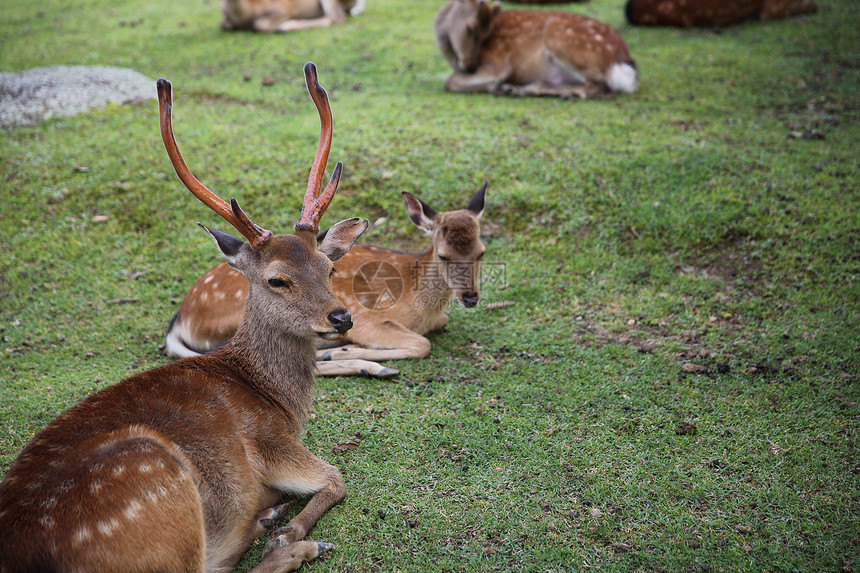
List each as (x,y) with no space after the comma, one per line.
(331,272)
(444,259)
(279,283)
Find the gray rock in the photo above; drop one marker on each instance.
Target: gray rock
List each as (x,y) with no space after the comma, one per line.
(36,95)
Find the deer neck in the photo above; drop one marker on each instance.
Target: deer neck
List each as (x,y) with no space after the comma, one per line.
(279,367)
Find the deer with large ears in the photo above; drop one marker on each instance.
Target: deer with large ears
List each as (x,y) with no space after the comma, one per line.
(181,468)
(395,298)
(531,53)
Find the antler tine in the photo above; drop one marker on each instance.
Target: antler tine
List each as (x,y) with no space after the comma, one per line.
(231,212)
(316,203)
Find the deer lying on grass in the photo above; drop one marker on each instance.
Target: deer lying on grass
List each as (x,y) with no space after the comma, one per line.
(181,468)
(531,53)
(549,1)
(688,13)
(286,15)
(395,298)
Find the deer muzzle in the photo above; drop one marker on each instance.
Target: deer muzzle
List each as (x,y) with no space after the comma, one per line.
(340,320)
(470,299)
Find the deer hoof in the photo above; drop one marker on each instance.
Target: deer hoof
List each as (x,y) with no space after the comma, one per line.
(323,547)
(278,540)
(386,373)
(274,544)
(270,517)
(292,556)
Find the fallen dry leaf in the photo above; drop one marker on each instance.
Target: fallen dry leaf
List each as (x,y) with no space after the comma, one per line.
(345,447)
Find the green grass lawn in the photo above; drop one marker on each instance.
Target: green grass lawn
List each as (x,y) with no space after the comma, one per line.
(691,223)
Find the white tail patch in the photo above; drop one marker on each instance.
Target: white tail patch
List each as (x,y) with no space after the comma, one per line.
(175,343)
(622,78)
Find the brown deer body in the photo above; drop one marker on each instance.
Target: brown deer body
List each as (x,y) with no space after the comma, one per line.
(180,468)
(286,15)
(688,13)
(532,53)
(395,298)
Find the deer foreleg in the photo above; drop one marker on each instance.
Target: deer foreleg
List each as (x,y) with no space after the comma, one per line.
(355,368)
(462,82)
(388,340)
(307,475)
(293,25)
(268,518)
(291,556)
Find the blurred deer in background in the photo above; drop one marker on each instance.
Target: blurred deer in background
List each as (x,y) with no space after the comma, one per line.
(395,298)
(549,1)
(181,468)
(531,53)
(687,13)
(286,15)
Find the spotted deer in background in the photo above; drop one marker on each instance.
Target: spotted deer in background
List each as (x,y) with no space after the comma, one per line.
(181,468)
(286,15)
(532,53)
(395,298)
(688,13)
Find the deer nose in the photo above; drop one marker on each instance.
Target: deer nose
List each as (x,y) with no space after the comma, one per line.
(340,320)
(470,299)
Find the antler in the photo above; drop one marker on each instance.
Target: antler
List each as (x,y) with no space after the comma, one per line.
(315,202)
(234,215)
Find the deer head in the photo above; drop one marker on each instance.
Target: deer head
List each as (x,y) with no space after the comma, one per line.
(462,28)
(457,247)
(289,275)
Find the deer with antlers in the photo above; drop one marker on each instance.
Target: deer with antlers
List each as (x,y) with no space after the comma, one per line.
(180,468)
(532,53)
(286,15)
(689,13)
(395,298)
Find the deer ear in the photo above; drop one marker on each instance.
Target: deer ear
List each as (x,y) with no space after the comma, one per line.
(476,204)
(420,212)
(337,240)
(229,245)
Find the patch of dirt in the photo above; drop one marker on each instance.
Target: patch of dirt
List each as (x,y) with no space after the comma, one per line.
(731,264)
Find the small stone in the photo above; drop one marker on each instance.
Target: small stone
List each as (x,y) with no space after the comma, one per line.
(693,368)
(647,347)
